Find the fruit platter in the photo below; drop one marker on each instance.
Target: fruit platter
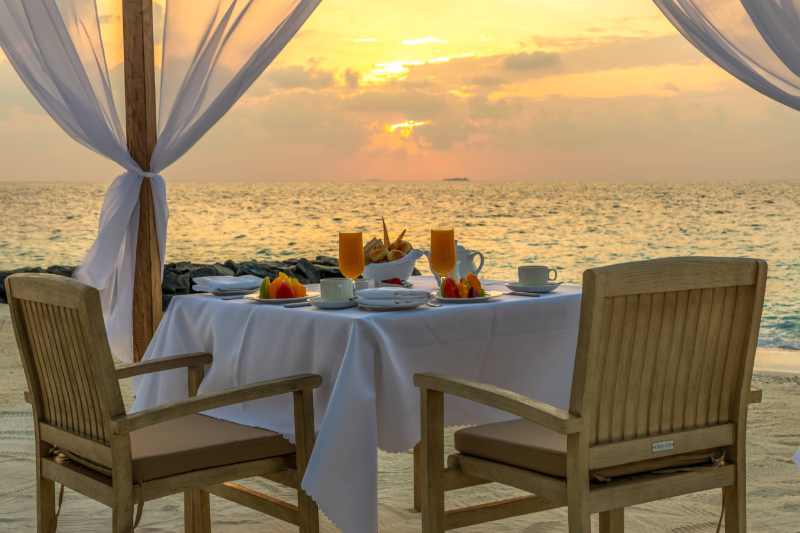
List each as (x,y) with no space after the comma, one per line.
(466,290)
(282,290)
(386,259)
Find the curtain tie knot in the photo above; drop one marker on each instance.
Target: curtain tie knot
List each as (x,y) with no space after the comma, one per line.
(149,174)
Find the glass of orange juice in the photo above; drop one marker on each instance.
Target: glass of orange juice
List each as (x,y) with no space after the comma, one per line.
(351,254)
(443,251)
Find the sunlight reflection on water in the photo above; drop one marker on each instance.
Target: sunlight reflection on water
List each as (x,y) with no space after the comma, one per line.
(568,226)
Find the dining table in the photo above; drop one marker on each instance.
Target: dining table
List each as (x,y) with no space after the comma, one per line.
(367,361)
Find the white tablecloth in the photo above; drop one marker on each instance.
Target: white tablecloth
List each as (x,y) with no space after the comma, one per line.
(367,362)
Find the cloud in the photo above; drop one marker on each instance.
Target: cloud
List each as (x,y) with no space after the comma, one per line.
(526,61)
(352,78)
(296,77)
(423,40)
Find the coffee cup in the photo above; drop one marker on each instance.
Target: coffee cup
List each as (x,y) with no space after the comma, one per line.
(536,275)
(336,289)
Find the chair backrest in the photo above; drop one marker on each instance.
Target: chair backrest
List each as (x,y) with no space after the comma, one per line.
(65,352)
(666,346)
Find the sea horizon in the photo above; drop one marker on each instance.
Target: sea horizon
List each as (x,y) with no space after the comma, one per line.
(570,226)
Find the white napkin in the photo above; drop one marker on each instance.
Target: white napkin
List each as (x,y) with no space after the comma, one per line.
(392,293)
(226,283)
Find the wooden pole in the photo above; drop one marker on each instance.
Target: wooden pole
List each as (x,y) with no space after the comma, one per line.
(140,116)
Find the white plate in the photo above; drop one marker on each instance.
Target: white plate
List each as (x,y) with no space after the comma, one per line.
(538,289)
(319,303)
(277,301)
(390,307)
(476,300)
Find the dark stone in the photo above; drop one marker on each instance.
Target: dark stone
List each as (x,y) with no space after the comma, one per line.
(176,282)
(199,271)
(416,272)
(232,265)
(329,272)
(324,260)
(61,270)
(224,270)
(306,272)
(253,268)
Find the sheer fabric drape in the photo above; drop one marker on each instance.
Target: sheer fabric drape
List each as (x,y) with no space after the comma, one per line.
(212,52)
(758,41)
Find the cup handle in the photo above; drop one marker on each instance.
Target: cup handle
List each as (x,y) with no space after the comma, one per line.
(472,257)
(554,272)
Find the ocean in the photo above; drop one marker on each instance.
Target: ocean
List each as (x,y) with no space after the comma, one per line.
(570,227)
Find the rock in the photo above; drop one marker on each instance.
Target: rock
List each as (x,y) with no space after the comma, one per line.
(61,270)
(224,270)
(176,282)
(253,268)
(306,272)
(325,260)
(199,271)
(329,272)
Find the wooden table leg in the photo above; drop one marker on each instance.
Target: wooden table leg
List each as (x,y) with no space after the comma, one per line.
(417,478)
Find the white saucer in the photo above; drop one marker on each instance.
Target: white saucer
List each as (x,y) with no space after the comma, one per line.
(319,303)
(535,289)
(276,301)
(391,306)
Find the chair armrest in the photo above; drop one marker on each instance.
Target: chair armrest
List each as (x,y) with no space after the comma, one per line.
(537,412)
(263,389)
(756,395)
(164,363)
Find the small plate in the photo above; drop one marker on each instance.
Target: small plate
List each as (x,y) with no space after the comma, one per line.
(394,307)
(476,300)
(276,301)
(319,303)
(537,289)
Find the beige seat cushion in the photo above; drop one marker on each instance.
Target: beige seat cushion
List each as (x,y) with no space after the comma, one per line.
(533,447)
(196,442)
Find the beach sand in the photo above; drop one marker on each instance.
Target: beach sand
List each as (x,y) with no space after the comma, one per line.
(773,481)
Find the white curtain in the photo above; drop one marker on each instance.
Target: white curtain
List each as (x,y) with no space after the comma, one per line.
(758,41)
(212,52)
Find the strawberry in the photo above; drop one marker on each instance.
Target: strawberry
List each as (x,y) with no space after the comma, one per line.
(284,291)
(393,281)
(449,288)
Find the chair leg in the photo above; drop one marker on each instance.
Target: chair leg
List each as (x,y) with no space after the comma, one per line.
(196,511)
(45,506)
(122,516)
(304,446)
(418,478)
(735,498)
(578,513)
(612,521)
(432,461)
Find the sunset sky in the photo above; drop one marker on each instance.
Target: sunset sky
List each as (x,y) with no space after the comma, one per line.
(500,89)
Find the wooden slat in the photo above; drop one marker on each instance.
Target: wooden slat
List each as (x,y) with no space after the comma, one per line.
(735,356)
(649,364)
(685,357)
(595,376)
(553,489)
(257,501)
(676,274)
(489,512)
(74,363)
(611,366)
(623,376)
(141,125)
(708,362)
(720,355)
(663,354)
(673,363)
(636,450)
(637,359)
(633,492)
(696,359)
(213,476)
(80,479)
(66,441)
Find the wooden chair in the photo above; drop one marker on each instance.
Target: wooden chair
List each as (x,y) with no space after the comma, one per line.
(86,441)
(658,408)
